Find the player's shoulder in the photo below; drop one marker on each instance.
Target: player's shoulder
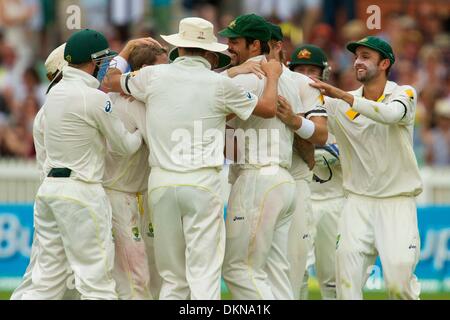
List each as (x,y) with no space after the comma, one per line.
(298,77)
(405,88)
(250,82)
(96,95)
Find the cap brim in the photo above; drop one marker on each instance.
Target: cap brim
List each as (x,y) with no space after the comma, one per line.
(177,41)
(293,64)
(228,33)
(224,60)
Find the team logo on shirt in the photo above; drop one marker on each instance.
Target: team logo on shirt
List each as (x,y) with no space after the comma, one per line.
(108,107)
(410,94)
(249,96)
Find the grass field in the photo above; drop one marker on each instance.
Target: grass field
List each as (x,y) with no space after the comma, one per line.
(315,295)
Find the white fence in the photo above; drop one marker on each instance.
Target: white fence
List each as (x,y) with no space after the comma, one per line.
(19,182)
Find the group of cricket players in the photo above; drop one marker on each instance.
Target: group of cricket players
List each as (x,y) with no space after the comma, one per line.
(131,147)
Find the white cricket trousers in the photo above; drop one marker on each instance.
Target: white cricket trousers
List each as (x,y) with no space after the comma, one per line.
(189,230)
(73,228)
(130,270)
(300,239)
(326,214)
(147,229)
(259,216)
(378,226)
(70,292)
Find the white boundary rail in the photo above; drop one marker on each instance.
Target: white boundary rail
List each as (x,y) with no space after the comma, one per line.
(19,182)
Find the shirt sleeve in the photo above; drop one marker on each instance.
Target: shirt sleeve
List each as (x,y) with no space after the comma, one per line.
(312,99)
(400,110)
(138,114)
(251,83)
(39,144)
(234,99)
(136,83)
(120,140)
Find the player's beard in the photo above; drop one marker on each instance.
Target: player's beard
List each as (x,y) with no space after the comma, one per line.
(368,72)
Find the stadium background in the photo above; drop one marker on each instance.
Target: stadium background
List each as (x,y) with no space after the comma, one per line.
(417,30)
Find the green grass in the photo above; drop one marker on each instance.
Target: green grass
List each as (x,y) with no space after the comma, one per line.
(314,294)
(5,295)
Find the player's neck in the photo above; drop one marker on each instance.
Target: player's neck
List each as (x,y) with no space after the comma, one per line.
(374,89)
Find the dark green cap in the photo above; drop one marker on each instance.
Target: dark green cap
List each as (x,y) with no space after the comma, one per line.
(247,26)
(308,54)
(275,32)
(224,60)
(376,44)
(85,45)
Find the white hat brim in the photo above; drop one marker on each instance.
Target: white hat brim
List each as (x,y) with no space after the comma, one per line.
(177,41)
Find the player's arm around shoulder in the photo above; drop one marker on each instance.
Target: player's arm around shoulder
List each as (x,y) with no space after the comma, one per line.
(101,111)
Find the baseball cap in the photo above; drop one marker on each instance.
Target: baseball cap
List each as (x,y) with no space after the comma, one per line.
(308,54)
(86,45)
(224,60)
(275,32)
(376,44)
(248,26)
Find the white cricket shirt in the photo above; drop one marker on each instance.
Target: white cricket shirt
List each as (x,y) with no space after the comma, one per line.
(377,154)
(128,173)
(187,105)
(79,120)
(268,141)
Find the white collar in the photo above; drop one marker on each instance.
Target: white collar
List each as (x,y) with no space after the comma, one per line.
(71,74)
(388,89)
(193,60)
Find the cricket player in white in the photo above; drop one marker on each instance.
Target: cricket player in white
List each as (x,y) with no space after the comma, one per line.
(314,119)
(73,214)
(125,182)
(327,194)
(262,198)
(186,133)
(53,65)
(373,126)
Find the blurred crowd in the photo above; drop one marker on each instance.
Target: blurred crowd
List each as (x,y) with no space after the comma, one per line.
(30,29)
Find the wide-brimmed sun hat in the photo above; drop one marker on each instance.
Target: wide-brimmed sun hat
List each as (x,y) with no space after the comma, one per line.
(195,33)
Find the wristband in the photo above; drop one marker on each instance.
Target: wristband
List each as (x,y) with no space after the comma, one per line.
(120,63)
(307,129)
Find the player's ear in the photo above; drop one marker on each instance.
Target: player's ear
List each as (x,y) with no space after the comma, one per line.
(384,64)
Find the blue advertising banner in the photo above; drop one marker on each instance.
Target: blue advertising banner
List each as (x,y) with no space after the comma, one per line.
(433,271)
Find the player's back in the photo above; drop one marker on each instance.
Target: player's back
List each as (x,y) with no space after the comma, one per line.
(186,125)
(72,137)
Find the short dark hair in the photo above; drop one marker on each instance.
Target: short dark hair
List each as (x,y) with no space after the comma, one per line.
(144,55)
(265,49)
(195,51)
